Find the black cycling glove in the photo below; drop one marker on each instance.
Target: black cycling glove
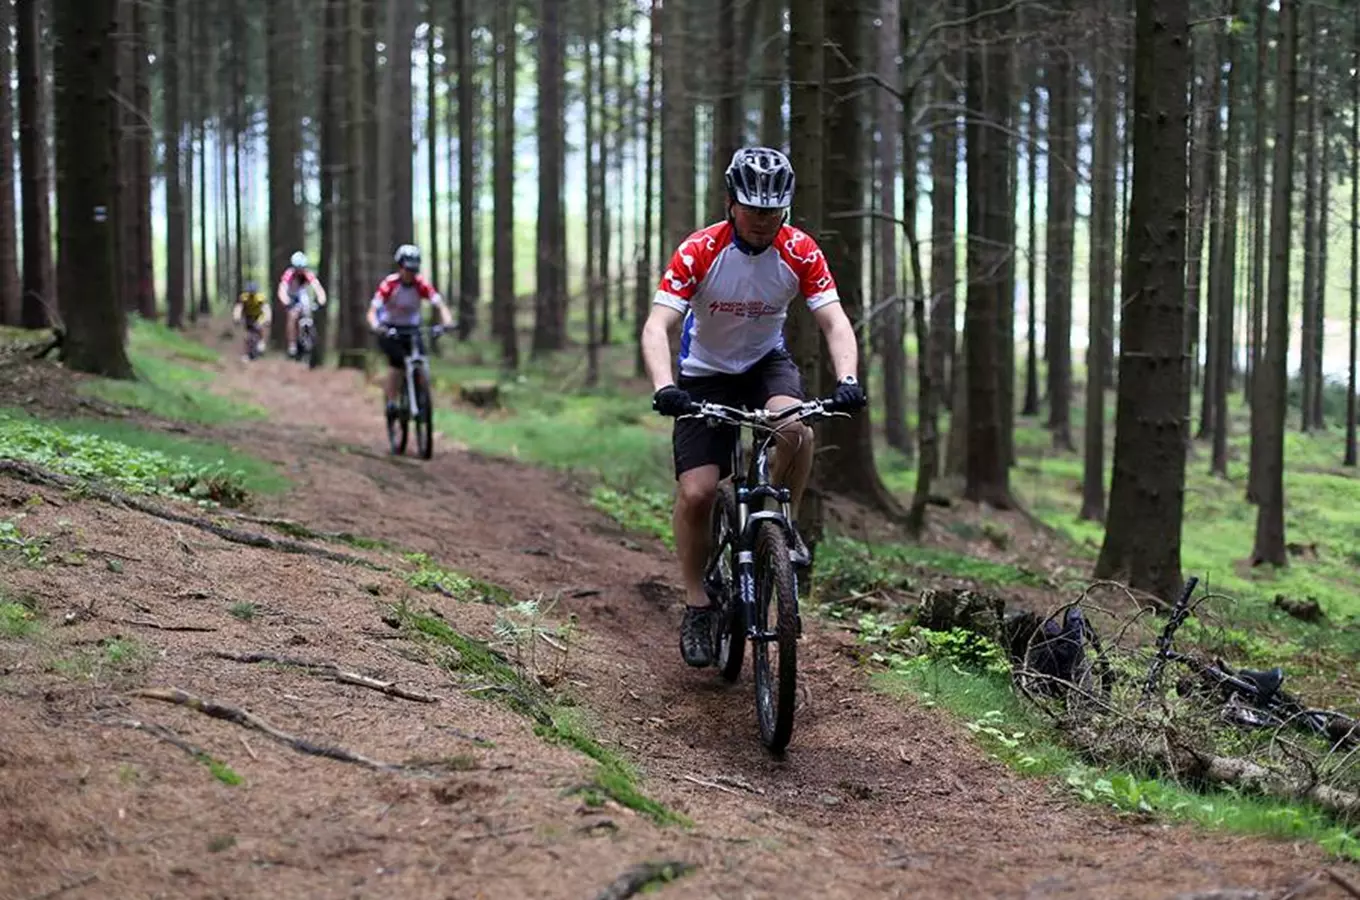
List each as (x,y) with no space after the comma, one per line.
(672,401)
(849,396)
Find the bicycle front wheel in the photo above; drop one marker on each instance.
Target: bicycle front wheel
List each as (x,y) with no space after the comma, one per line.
(424,421)
(777,615)
(731,620)
(398,424)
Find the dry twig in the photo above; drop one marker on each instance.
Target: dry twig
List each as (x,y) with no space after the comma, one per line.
(331,670)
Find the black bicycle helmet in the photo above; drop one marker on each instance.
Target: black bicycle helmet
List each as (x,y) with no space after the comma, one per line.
(760,177)
(408,257)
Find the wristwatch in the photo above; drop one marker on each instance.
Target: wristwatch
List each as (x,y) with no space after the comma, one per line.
(849,379)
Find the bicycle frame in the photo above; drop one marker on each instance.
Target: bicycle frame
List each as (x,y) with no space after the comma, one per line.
(752,487)
(414,361)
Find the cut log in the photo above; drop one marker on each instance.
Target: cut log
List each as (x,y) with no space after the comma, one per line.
(481,394)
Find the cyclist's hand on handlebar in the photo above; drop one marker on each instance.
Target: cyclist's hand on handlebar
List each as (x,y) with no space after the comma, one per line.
(849,396)
(436,330)
(672,401)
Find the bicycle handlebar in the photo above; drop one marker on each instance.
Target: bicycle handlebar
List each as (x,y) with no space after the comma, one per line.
(764,418)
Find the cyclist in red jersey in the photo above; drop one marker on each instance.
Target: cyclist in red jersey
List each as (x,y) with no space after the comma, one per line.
(729,286)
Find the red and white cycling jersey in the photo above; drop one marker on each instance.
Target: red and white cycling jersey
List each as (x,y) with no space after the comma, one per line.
(399,304)
(286,280)
(736,302)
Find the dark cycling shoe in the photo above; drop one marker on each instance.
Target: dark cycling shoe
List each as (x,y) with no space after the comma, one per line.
(391,412)
(696,636)
(799,554)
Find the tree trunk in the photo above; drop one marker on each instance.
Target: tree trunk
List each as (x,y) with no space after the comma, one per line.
(11,296)
(1104,147)
(677,126)
(432,136)
(1031,403)
(354,193)
(645,276)
(40,287)
(199,86)
(1211,184)
(1143,529)
(141,148)
(469,252)
(85,67)
(238,125)
(1062,198)
(503,321)
(333,115)
(120,212)
(377,147)
(1350,457)
(399,105)
(1258,192)
(176,253)
(895,428)
(285,231)
(771,53)
(1269,392)
(944,161)
(550,277)
(591,147)
(1203,97)
(845,450)
(1313,412)
(1311,113)
(807,147)
(989,208)
(727,109)
(1227,258)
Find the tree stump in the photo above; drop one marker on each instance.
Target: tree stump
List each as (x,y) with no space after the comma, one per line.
(481,394)
(969,610)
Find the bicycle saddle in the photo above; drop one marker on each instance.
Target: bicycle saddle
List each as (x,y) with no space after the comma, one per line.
(1267,682)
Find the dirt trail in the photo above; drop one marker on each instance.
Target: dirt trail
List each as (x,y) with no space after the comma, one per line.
(877,797)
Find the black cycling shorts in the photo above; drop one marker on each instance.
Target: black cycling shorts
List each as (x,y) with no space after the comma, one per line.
(695,443)
(396,347)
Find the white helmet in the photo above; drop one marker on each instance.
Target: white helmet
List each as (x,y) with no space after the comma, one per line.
(761,177)
(298,260)
(408,257)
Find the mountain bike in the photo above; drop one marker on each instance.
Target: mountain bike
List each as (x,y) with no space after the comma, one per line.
(413,401)
(306,331)
(254,340)
(749,571)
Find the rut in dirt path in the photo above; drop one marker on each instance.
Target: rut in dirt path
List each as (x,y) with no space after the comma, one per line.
(875,794)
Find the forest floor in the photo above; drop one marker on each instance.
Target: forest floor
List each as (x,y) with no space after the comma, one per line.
(534,774)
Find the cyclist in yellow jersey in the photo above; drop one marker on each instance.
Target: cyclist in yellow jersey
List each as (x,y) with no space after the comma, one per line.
(252,307)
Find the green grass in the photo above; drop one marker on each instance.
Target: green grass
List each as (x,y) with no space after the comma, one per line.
(497,677)
(846,566)
(17,620)
(1013,733)
(243,611)
(644,510)
(614,778)
(165,385)
(135,459)
(428,575)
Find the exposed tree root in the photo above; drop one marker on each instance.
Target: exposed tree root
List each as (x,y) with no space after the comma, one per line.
(36,475)
(248,720)
(642,876)
(331,670)
(162,733)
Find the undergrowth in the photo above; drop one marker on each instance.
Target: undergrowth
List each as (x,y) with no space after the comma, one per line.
(130,468)
(427,575)
(969,676)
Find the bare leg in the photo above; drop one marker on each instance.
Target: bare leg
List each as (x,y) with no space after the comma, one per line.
(691,521)
(792,462)
(392,384)
(292,327)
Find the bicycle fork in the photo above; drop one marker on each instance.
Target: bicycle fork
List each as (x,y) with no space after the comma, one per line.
(412,403)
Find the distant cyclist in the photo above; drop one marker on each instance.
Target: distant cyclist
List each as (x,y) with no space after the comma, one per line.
(252,309)
(731,285)
(295,279)
(398,302)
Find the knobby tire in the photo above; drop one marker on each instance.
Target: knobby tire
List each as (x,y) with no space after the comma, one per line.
(776,591)
(732,621)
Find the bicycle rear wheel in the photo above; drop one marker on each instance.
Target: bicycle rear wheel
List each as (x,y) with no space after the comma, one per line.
(777,612)
(424,420)
(398,425)
(731,617)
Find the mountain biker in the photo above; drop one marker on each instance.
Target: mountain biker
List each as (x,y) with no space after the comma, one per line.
(291,284)
(731,284)
(397,302)
(252,308)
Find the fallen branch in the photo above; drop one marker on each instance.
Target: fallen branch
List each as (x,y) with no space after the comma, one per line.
(163,733)
(159,627)
(248,720)
(331,670)
(67,886)
(642,876)
(712,784)
(36,475)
